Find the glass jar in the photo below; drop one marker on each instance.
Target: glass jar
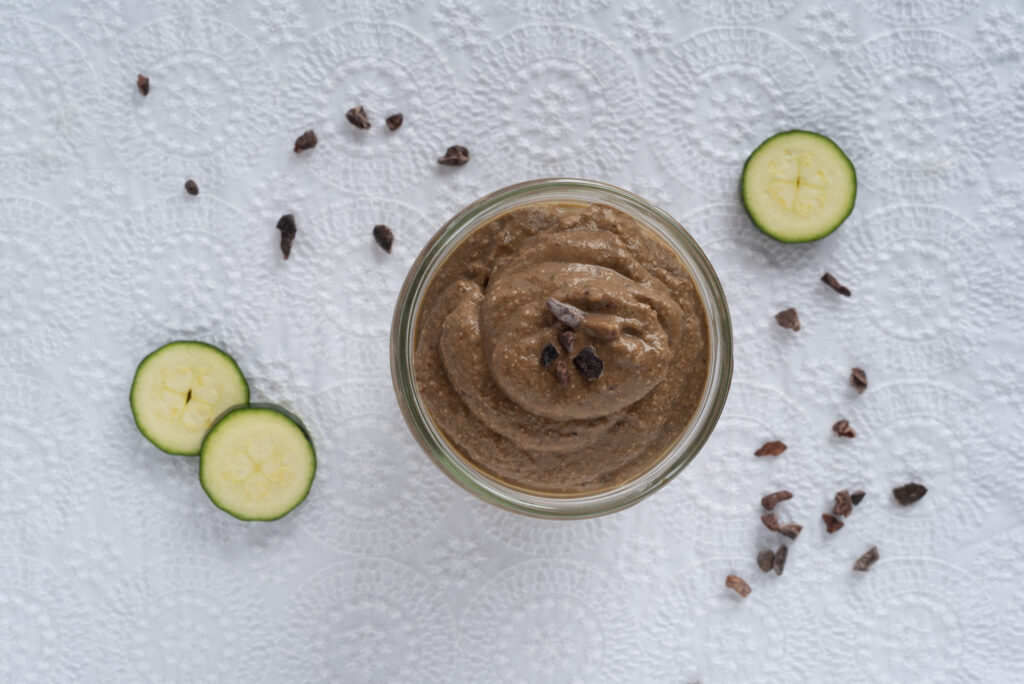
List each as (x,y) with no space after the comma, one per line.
(547,505)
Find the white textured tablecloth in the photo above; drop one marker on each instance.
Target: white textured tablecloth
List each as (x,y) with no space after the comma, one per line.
(114,566)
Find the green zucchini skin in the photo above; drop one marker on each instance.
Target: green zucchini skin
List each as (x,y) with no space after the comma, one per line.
(206,479)
(779,233)
(137,402)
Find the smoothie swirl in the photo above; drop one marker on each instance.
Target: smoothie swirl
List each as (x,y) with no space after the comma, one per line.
(486,319)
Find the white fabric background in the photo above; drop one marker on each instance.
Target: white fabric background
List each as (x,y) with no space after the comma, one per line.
(114,565)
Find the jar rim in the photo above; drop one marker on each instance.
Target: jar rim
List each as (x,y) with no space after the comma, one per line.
(550,505)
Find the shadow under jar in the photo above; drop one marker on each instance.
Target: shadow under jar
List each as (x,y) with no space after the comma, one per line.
(539,429)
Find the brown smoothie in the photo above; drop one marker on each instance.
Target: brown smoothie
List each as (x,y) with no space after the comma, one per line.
(486,319)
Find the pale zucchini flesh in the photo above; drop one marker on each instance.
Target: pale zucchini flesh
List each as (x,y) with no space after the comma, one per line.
(798,186)
(180,389)
(257,463)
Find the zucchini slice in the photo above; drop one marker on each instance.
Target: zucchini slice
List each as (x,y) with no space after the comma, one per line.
(180,389)
(257,462)
(798,186)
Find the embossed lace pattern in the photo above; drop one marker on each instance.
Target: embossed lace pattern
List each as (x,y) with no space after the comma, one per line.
(115,566)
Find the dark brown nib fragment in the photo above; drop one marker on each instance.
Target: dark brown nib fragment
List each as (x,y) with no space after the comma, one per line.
(771,449)
(844,503)
(780,559)
(788,319)
(548,354)
(588,363)
(791,530)
(456,155)
(357,117)
(769,501)
(567,338)
(306,141)
(562,373)
(909,493)
(738,585)
(831,281)
(384,237)
(567,314)
(832,523)
(857,497)
(766,560)
(867,560)
(859,379)
(142,83)
(394,122)
(842,429)
(191,187)
(286,224)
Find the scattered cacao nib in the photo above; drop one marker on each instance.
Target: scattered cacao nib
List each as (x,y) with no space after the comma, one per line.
(791,530)
(456,155)
(357,117)
(548,354)
(765,560)
(191,187)
(769,501)
(567,338)
(780,559)
(142,83)
(842,429)
(562,373)
(738,585)
(567,314)
(909,493)
(588,363)
(832,523)
(867,560)
(394,122)
(771,448)
(857,497)
(384,237)
(306,141)
(844,503)
(286,225)
(788,319)
(831,281)
(859,379)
